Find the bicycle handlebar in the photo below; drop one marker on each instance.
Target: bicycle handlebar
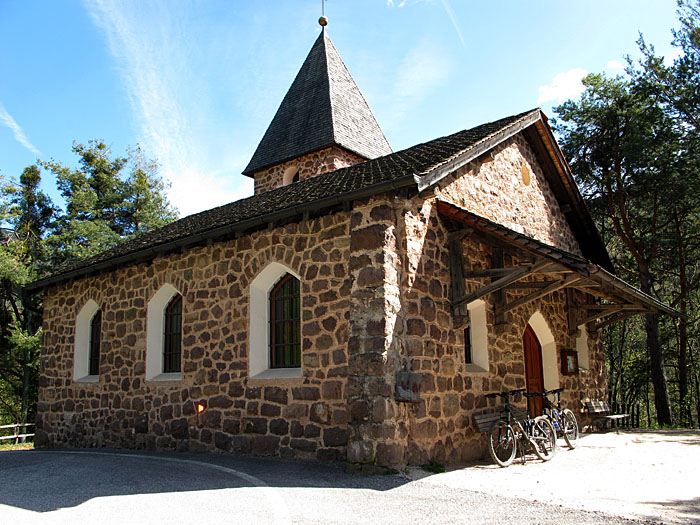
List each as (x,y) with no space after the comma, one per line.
(505,394)
(534,394)
(555,391)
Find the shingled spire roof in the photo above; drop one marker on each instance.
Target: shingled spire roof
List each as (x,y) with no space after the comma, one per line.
(322,108)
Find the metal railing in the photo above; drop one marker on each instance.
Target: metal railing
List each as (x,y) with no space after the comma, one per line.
(17,434)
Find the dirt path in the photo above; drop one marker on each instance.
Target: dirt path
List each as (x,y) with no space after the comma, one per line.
(650,475)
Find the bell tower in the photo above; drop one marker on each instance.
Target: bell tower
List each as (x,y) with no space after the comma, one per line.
(322,124)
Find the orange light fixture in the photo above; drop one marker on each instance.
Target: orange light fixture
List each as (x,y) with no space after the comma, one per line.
(201,407)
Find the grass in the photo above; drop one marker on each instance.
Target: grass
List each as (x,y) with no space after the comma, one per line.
(4,445)
(434,466)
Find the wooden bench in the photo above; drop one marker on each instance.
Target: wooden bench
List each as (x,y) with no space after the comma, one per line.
(600,412)
(485,420)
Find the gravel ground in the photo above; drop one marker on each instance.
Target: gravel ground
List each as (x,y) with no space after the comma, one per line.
(576,487)
(650,475)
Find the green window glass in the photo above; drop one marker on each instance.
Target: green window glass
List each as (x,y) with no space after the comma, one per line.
(95,335)
(172,336)
(285,323)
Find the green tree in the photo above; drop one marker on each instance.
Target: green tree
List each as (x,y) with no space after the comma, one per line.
(30,213)
(676,87)
(108,200)
(621,147)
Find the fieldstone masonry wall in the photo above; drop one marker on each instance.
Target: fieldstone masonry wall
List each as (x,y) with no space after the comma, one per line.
(310,165)
(440,426)
(496,191)
(373,348)
(304,417)
(375,286)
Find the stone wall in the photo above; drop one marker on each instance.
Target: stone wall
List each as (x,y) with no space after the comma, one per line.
(376,292)
(304,417)
(431,338)
(310,165)
(496,190)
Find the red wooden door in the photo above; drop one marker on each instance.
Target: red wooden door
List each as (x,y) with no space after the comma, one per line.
(534,379)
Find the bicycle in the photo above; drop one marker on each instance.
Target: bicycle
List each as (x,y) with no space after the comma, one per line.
(563,421)
(506,434)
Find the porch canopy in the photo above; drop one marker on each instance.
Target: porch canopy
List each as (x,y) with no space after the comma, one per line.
(556,270)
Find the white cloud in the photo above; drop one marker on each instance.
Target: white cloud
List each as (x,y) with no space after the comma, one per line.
(155,53)
(614,64)
(422,70)
(391,3)
(7,120)
(564,86)
(453,19)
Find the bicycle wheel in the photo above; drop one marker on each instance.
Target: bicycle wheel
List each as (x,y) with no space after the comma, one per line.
(502,443)
(544,438)
(570,428)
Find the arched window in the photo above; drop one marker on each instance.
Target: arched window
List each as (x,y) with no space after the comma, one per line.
(95,338)
(291,174)
(86,357)
(164,335)
(285,323)
(172,335)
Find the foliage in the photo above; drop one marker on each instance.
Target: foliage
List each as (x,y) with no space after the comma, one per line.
(633,146)
(434,466)
(108,200)
(30,212)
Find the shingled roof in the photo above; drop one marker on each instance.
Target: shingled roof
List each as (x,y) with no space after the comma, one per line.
(322,108)
(411,167)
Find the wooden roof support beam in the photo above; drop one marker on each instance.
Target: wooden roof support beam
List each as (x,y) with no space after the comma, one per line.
(489,272)
(608,307)
(611,309)
(617,318)
(517,274)
(528,285)
(557,285)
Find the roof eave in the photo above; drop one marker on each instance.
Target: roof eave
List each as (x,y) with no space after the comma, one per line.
(250,172)
(146,254)
(464,157)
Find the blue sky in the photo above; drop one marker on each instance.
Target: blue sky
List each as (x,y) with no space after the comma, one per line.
(196,83)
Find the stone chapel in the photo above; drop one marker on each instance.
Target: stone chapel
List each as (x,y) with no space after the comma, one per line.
(357,307)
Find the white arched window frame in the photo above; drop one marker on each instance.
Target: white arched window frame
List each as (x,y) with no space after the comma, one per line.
(155,318)
(81,354)
(550,370)
(478,331)
(291,174)
(582,348)
(260,287)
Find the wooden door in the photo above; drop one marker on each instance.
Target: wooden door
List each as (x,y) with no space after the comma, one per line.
(534,379)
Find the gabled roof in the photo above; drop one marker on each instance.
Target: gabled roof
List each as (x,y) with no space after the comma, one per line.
(323,107)
(417,167)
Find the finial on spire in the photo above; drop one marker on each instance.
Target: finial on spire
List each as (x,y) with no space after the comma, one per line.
(323,21)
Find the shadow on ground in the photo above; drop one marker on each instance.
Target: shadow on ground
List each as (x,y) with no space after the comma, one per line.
(686,511)
(44,481)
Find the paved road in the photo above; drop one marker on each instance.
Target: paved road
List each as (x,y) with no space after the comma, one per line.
(75,487)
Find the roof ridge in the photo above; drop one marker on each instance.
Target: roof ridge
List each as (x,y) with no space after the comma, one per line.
(381,173)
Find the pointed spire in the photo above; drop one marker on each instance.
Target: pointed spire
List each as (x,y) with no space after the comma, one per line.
(322,108)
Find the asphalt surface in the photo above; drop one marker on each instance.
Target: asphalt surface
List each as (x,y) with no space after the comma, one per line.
(51,487)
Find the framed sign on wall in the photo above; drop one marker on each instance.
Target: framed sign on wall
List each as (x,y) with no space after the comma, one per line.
(569,362)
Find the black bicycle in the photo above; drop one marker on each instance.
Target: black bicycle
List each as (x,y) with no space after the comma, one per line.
(563,420)
(507,433)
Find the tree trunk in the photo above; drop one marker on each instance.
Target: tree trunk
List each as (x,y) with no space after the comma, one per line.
(683,402)
(656,358)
